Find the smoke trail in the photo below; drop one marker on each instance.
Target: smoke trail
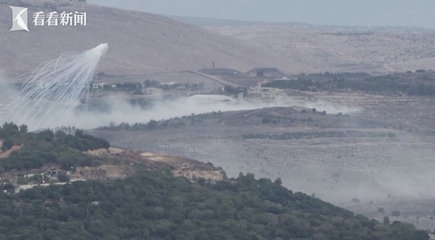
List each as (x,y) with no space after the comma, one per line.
(54,90)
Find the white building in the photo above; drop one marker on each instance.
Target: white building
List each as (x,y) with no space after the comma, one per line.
(153,91)
(98,85)
(169,83)
(264,93)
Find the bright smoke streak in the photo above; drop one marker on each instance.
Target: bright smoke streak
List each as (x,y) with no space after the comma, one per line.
(54,90)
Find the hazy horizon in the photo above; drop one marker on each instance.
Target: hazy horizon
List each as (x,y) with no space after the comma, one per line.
(340,12)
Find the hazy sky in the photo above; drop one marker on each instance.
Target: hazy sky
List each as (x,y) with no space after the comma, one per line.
(420,13)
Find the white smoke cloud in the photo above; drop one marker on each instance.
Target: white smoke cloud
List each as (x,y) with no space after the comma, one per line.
(50,96)
(122,111)
(51,93)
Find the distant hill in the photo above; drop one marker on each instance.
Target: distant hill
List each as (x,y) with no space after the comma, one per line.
(342,49)
(138,43)
(375,49)
(213,22)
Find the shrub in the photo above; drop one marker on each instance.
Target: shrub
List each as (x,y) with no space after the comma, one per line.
(7,144)
(9,187)
(386,221)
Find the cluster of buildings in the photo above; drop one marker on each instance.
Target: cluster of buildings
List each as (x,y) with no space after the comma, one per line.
(150,91)
(262,93)
(103,86)
(23,180)
(255,93)
(155,92)
(146,91)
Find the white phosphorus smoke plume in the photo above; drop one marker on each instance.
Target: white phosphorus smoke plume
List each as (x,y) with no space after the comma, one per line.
(53,91)
(56,94)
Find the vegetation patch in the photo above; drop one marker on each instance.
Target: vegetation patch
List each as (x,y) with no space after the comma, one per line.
(47,147)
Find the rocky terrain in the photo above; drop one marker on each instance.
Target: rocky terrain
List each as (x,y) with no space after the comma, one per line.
(180,166)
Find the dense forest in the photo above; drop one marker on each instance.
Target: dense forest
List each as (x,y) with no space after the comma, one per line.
(45,146)
(157,205)
(153,205)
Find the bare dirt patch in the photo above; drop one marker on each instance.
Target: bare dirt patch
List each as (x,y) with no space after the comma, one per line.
(8,152)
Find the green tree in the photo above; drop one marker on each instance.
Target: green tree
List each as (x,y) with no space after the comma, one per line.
(24,129)
(62,177)
(8,130)
(278,181)
(7,144)
(386,221)
(9,188)
(152,124)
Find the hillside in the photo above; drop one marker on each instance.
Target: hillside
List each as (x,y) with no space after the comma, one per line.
(375,154)
(341,49)
(158,205)
(84,157)
(139,43)
(214,22)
